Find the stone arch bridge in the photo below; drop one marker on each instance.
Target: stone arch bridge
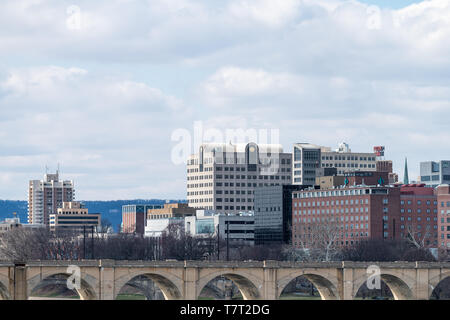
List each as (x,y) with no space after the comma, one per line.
(103,279)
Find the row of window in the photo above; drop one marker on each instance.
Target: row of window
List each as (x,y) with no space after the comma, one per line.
(232,208)
(352,158)
(202,177)
(232,192)
(332,203)
(200,185)
(342,219)
(233,200)
(419,202)
(333,193)
(226,184)
(239,184)
(402,210)
(348,165)
(418,218)
(261,177)
(199,193)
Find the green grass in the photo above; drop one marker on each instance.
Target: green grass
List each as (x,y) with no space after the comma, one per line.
(130,297)
(298,297)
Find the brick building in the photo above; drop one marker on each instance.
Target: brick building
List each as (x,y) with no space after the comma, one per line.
(358,213)
(418,214)
(443,209)
(134,217)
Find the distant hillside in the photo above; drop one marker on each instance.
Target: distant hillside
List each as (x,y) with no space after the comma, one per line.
(110,210)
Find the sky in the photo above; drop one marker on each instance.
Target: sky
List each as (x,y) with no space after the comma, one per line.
(115,91)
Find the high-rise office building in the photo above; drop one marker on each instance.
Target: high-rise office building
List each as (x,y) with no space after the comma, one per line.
(435,173)
(223,177)
(46,196)
(306,162)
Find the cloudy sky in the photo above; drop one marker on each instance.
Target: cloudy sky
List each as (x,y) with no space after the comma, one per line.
(101,86)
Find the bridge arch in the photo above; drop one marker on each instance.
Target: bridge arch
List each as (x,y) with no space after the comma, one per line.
(87,284)
(169,285)
(433,283)
(247,284)
(399,284)
(4,292)
(326,285)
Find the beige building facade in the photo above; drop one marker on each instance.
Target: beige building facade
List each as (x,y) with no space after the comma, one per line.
(223,177)
(344,160)
(73,215)
(171,210)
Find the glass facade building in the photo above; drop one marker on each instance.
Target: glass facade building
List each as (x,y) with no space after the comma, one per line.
(273,214)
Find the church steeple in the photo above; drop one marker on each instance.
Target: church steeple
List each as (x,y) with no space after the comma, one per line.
(405,176)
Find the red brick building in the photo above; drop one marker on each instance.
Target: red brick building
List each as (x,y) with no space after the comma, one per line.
(443,216)
(418,214)
(357,213)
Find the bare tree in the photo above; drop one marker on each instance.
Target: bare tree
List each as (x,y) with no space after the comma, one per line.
(417,236)
(318,240)
(386,250)
(176,244)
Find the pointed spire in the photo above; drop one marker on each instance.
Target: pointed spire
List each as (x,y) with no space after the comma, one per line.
(405,176)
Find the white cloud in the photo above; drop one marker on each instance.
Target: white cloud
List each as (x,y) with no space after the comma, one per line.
(104,99)
(274,14)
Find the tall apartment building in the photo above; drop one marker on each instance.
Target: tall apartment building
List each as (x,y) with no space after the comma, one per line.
(310,158)
(358,213)
(46,196)
(435,173)
(223,177)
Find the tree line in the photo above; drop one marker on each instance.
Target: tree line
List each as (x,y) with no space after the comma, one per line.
(22,244)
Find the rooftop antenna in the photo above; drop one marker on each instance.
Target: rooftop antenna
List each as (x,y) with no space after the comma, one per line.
(46,169)
(57,171)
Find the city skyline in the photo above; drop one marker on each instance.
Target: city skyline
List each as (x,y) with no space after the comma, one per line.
(100,88)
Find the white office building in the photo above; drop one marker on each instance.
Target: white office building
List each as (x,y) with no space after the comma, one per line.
(235,227)
(223,177)
(434,173)
(310,159)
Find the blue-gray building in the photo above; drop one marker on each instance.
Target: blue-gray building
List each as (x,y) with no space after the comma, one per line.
(273,214)
(435,173)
